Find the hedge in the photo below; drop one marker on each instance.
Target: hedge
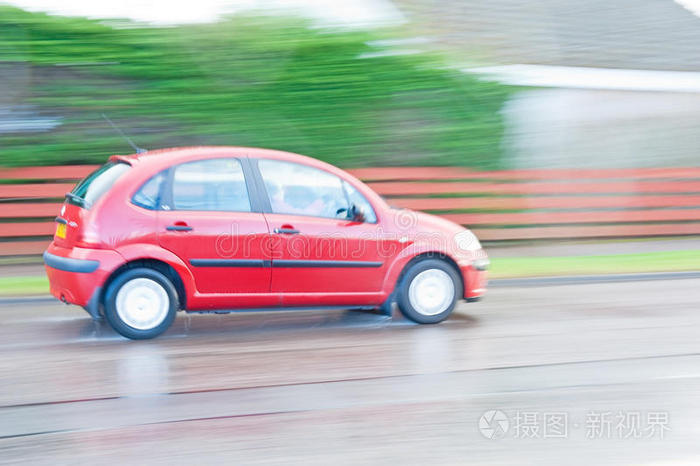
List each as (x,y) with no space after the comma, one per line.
(338,95)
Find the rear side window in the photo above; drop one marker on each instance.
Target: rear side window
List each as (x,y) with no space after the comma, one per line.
(213,185)
(92,188)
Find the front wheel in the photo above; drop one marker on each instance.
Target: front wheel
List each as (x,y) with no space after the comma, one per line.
(429,291)
(141,303)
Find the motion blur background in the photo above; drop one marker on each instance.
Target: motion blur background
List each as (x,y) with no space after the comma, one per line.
(364,83)
(495,91)
(565,133)
(336,86)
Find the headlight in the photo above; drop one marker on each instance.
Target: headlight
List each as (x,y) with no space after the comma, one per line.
(481,264)
(467,241)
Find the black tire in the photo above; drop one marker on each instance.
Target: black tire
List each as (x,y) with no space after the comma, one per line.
(122,327)
(409,310)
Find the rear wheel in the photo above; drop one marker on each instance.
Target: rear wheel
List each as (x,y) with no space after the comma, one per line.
(429,291)
(141,303)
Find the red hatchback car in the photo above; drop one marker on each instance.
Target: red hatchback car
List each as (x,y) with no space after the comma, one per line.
(231,228)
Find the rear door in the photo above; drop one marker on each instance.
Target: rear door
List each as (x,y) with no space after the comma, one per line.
(207,219)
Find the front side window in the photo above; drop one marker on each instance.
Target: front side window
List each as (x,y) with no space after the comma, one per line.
(303,190)
(213,184)
(95,185)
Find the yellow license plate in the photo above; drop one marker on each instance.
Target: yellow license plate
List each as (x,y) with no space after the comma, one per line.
(61,230)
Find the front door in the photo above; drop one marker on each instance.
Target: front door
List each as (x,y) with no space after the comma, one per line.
(207,221)
(319,255)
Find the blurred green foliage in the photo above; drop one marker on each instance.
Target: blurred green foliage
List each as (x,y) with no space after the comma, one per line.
(249,81)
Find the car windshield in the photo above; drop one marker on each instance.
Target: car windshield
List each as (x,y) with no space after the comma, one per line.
(95,185)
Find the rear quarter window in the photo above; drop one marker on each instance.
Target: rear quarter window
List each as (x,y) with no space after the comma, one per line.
(148,196)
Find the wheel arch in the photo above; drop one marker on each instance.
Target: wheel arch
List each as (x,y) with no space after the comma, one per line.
(155,257)
(155,264)
(408,258)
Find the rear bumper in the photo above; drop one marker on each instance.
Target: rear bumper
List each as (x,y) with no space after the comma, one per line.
(67,264)
(75,274)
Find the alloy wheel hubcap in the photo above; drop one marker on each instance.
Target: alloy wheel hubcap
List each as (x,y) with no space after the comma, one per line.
(142,303)
(431,292)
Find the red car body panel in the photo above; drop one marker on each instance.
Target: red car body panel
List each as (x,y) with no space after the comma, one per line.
(219,235)
(350,243)
(332,262)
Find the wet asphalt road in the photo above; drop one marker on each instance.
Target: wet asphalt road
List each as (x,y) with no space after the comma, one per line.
(343,387)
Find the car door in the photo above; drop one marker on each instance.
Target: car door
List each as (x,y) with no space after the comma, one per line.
(319,255)
(207,219)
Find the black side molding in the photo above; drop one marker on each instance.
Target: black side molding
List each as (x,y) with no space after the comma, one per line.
(284,263)
(323,264)
(70,265)
(229,263)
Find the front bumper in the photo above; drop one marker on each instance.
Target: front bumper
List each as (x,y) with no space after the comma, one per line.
(475,276)
(75,274)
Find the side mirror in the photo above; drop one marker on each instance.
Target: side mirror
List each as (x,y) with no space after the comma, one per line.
(355,214)
(352,213)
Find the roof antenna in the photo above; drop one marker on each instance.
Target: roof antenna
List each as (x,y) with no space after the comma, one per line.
(136,148)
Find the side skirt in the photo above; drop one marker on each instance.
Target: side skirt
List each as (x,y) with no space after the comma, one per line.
(281,309)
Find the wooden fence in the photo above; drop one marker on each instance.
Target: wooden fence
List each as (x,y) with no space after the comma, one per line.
(497,205)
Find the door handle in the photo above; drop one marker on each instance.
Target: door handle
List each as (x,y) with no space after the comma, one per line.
(286,231)
(178,228)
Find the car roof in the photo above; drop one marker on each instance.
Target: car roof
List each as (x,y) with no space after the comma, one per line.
(155,160)
(165,157)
